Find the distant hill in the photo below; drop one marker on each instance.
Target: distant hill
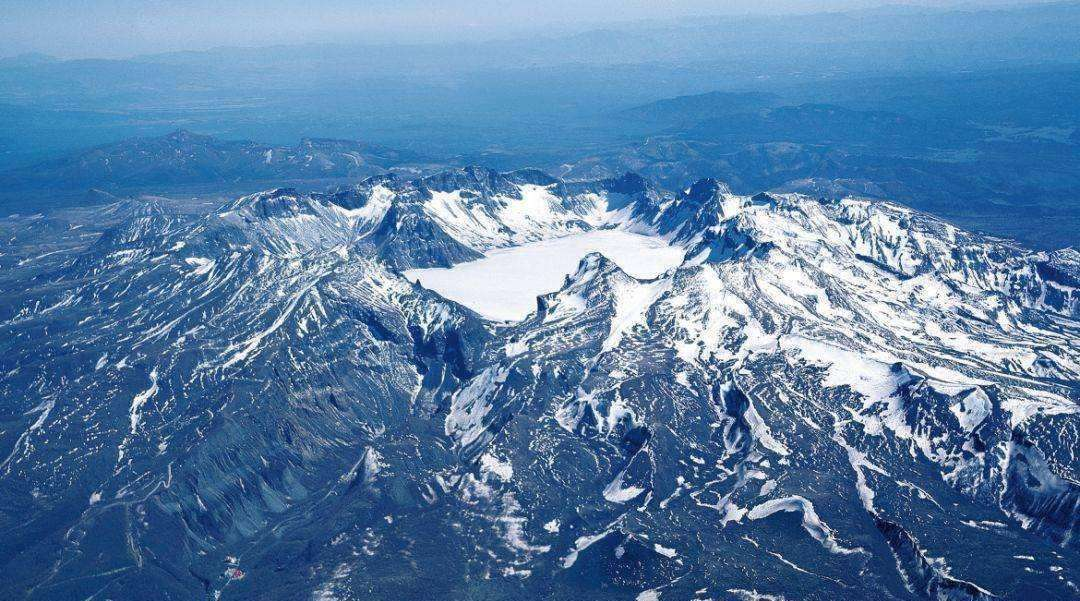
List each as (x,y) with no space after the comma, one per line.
(684,110)
(27,59)
(182,157)
(831,124)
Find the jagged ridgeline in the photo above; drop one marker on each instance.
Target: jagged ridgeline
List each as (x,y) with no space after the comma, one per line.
(823,399)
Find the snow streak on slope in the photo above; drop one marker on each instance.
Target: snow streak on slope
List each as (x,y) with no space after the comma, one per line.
(505,283)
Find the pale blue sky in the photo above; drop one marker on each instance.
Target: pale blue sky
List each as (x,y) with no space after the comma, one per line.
(118,28)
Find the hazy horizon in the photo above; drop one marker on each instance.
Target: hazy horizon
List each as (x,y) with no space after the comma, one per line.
(115,29)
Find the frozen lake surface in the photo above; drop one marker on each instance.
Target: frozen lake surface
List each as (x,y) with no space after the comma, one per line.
(505,283)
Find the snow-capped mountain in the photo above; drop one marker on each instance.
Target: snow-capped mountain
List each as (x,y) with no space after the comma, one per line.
(800,399)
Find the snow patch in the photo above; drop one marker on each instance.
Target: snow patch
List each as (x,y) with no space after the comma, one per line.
(140,399)
(616,492)
(665,551)
(491,465)
(813,525)
(632,301)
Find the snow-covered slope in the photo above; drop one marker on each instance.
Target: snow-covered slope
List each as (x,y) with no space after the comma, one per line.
(817,400)
(821,359)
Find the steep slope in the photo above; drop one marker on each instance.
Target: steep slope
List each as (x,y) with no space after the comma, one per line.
(218,379)
(203,383)
(825,399)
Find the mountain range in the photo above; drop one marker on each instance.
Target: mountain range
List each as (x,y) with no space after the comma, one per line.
(821,399)
(1004,179)
(184,158)
(1015,182)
